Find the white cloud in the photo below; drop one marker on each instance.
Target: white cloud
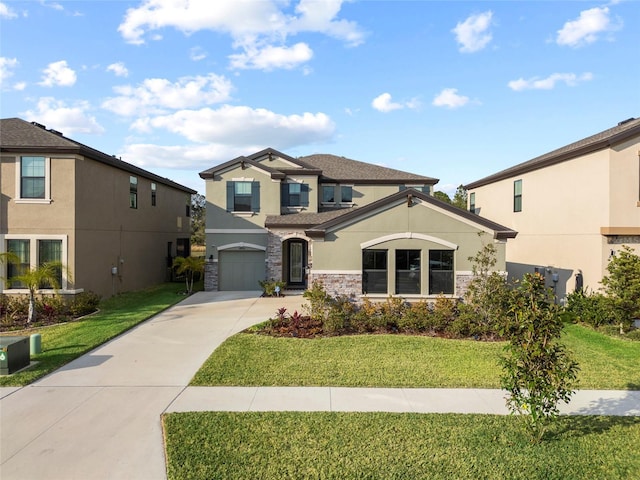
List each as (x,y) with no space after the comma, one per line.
(586,28)
(473,34)
(239,125)
(537,83)
(258,28)
(58,73)
(271,57)
(52,5)
(58,115)
(194,157)
(6,12)
(118,69)
(197,53)
(6,69)
(449,98)
(156,95)
(384,103)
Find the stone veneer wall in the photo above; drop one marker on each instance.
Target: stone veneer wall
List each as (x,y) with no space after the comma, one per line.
(274,252)
(338,283)
(462,283)
(210,276)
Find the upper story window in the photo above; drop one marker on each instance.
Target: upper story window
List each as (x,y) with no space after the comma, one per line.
(328,194)
(346,194)
(154,189)
(472,202)
(517,196)
(133,192)
(294,195)
(243,196)
(32,177)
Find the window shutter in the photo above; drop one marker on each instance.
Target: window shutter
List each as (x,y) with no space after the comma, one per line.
(304,195)
(255,196)
(230,194)
(284,194)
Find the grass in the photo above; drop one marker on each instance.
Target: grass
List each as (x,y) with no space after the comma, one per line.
(403,361)
(65,342)
(326,445)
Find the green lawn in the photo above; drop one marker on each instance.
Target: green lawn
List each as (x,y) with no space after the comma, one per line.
(65,342)
(403,361)
(288,445)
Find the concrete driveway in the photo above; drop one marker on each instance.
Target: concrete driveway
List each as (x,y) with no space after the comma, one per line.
(99,416)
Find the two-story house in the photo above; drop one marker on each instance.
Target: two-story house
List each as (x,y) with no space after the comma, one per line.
(115,227)
(357,227)
(573,207)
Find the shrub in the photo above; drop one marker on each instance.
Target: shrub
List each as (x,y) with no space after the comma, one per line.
(391,311)
(622,285)
(318,301)
(51,307)
(444,312)
(594,309)
(269,287)
(84,303)
(416,318)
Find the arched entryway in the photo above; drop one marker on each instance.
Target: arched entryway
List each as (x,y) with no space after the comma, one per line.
(295,259)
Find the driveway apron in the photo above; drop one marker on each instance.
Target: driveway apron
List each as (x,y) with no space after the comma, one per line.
(98,417)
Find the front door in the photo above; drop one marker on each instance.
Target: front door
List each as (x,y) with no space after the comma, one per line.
(296,262)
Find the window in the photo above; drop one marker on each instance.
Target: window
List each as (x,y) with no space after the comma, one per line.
(243,196)
(328,194)
(21,249)
(374,271)
(472,202)
(517,196)
(133,192)
(294,195)
(441,275)
(50,251)
(407,271)
(153,194)
(32,177)
(346,194)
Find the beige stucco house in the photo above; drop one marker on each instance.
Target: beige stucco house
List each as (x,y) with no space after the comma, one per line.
(114,226)
(357,227)
(573,207)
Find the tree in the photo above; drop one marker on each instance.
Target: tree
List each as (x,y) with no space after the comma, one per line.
(198,218)
(189,266)
(622,285)
(442,196)
(538,372)
(460,198)
(46,275)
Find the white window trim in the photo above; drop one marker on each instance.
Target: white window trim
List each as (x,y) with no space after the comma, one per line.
(33,258)
(47,182)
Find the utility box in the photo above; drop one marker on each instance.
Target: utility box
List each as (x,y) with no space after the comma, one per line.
(14,354)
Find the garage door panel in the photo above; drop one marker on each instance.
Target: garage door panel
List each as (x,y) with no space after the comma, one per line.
(241,270)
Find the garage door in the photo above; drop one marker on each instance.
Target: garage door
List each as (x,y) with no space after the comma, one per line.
(240,270)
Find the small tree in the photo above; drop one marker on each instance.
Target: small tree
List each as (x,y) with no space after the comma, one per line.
(538,372)
(198,214)
(189,266)
(442,196)
(622,285)
(45,276)
(460,198)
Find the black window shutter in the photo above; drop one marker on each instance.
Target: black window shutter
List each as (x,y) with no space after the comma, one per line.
(304,195)
(255,196)
(230,194)
(284,194)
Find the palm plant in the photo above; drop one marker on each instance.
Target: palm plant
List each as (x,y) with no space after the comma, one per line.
(189,266)
(33,279)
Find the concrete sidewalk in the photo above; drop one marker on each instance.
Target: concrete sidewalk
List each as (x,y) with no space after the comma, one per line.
(99,416)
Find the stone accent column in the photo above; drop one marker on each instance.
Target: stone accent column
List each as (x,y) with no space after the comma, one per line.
(462,283)
(338,283)
(274,256)
(210,276)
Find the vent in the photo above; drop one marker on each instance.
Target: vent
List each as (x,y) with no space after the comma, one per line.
(626,121)
(56,132)
(36,124)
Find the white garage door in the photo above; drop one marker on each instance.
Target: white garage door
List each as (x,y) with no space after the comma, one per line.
(240,270)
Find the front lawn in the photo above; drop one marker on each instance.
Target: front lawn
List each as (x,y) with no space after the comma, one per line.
(403,361)
(65,342)
(298,445)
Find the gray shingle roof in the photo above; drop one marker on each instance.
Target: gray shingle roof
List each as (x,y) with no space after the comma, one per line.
(20,136)
(599,141)
(304,219)
(342,169)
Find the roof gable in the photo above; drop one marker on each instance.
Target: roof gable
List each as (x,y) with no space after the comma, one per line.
(410,196)
(622,132)
(20,136)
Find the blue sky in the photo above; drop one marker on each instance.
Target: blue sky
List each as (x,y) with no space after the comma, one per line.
(453,90)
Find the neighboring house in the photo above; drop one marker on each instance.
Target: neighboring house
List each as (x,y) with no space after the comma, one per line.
(573,207)
(358,228)
(115,227)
